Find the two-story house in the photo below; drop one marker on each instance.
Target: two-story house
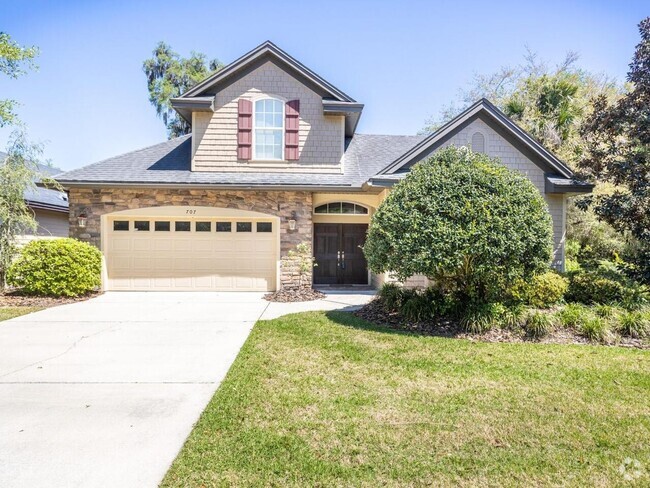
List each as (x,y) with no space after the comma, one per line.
(273,161)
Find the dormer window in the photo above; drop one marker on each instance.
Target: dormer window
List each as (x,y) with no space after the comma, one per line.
(268,130)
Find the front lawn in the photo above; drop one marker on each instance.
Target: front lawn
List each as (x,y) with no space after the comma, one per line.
(7,313)
(325,399)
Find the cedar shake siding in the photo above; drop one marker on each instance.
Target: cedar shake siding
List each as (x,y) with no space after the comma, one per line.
(218,142)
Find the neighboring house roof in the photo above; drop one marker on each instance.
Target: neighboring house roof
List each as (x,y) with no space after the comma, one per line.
(45,198)
(563,180)
(169,163)
(201,96)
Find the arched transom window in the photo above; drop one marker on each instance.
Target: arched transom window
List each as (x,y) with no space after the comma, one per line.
(341,208)
(268,129)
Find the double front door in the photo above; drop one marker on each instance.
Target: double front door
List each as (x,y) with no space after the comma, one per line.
(339,258)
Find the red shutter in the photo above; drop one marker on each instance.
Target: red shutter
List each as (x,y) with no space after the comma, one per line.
(244,129)
(291,125)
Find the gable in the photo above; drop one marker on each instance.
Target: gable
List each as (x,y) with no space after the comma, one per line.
(333,101)
(486,113)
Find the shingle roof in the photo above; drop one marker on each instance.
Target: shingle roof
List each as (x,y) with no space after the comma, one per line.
(43,196)
(169,163)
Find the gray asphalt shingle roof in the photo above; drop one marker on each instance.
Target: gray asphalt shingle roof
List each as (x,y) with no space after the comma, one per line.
(44,196)
(169,163)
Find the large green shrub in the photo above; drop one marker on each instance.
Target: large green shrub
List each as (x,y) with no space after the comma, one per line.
(58,267)
(542,291)
(465,221)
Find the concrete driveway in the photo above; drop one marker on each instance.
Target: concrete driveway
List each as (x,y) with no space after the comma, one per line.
(105,392)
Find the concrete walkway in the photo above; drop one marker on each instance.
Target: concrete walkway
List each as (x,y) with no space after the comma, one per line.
(105,392)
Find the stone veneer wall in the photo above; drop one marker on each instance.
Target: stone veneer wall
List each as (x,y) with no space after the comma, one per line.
(97,202)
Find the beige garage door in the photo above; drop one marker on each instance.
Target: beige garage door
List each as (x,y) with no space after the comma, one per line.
(190,252)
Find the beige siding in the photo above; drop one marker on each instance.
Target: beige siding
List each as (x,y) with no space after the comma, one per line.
(320,137)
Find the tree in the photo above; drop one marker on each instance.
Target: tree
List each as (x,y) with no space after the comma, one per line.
(549,103)
(169,76)
(13,60)
(617,139)
(18,173)
(465,221)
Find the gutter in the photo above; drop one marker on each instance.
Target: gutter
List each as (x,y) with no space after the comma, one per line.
(210,186)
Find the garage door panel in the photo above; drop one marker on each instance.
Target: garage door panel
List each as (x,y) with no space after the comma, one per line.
(174,260)
(161,243)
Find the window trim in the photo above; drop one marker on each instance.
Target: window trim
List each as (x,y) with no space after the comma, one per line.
(341,213)
(254,158)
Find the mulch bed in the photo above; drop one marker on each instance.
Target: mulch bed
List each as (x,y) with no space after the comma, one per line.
(294,295)
(375,313)
(14,298)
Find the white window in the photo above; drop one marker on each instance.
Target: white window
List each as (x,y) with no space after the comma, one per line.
(268,129)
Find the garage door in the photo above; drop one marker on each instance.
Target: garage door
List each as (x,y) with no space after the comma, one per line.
(190,253)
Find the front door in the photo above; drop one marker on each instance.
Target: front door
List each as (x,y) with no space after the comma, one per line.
(339,258)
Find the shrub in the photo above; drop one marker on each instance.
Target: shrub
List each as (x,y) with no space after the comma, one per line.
(58,267)
(634,324)
(592,287)
(539,324)
(390,295)
(417,308)
(605,311)
(481,318)
(514,317)
(574,315)
(546,289)
(465,221)
(596,329)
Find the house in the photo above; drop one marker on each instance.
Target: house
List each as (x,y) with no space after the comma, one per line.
(273,160)
(49,206)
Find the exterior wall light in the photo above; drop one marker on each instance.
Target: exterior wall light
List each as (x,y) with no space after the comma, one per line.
(292,221)
(82,220)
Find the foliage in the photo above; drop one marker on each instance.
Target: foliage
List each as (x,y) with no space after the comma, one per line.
(592,287)
(390,295)
(617,136)
(466,222)
(573,315)
(514,316)
(57,267)
(169,76)
(548,102)
(596,329)
(302,259)
(18,173)
(634,324)
(13,60)
(542,291)
(481,318)
(417,308)
(539,324)
(605,311)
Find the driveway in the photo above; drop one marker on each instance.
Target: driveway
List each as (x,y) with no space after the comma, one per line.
(105,392)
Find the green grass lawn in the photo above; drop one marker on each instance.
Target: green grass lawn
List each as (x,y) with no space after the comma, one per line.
(11,312)
(318,399)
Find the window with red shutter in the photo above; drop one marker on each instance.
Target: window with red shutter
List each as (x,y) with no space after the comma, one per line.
(291,125)
(244,129)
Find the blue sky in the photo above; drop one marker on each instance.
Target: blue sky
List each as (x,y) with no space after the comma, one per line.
(404,59)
